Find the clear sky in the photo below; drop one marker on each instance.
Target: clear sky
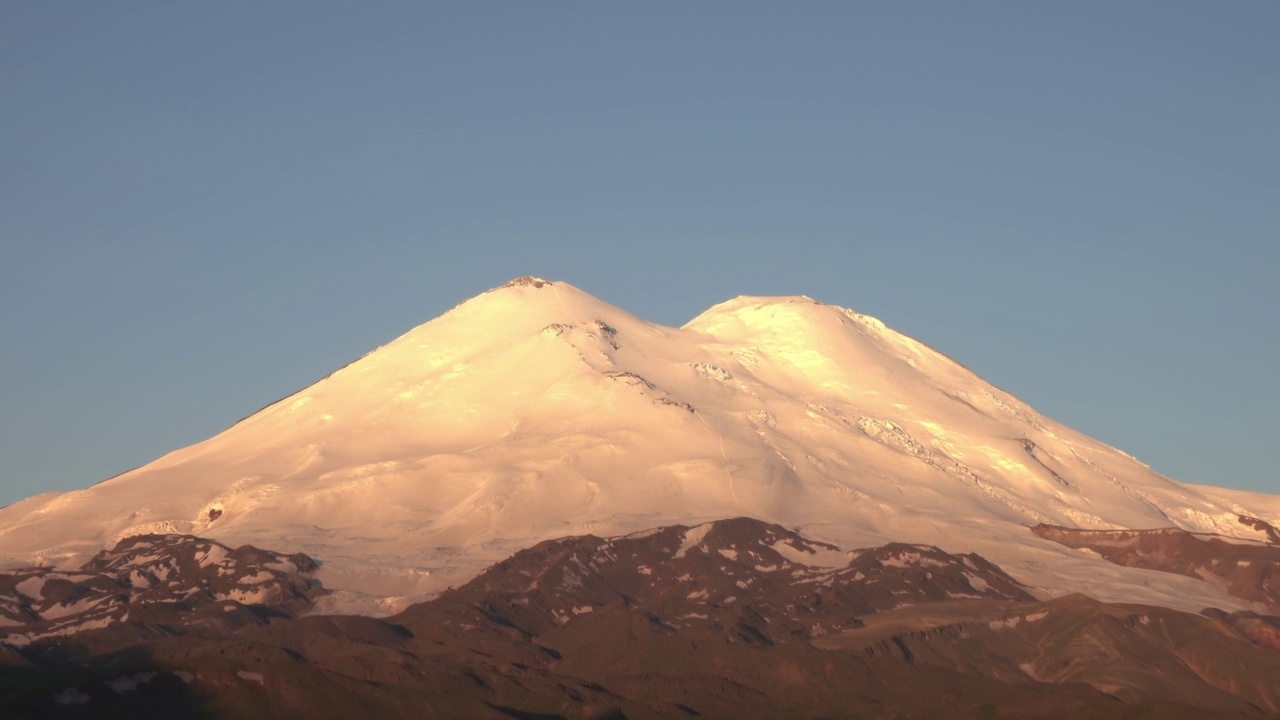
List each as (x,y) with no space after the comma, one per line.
(207,206)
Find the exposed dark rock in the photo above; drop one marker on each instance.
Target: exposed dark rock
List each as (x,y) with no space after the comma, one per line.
(1248,570)
(1273,535)
(155,581)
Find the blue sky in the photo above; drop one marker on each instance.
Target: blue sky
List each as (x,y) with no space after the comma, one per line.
(205,207)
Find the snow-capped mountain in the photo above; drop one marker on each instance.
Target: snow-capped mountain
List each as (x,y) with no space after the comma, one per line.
(536,411)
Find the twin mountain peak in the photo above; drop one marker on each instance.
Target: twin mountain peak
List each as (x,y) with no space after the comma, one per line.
(535,411)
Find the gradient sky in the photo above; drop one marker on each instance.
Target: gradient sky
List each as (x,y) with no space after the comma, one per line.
(207,206)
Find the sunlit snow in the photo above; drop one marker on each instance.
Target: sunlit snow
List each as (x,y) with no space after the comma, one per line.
(536,411)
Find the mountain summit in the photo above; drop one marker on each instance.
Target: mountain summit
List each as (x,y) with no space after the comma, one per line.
(535,411)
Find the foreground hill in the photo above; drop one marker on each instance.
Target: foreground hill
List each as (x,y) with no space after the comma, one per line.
(734,618)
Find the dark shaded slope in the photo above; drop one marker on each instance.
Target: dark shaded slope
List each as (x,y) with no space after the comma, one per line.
(729,619)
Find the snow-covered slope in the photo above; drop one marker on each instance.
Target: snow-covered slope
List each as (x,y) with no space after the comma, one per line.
(536,411)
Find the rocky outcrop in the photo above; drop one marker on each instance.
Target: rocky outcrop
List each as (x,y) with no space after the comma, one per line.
(169,581)
(763,579)
(1262,526)
(1246,569)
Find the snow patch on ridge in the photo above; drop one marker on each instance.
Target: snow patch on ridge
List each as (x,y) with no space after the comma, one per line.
(692,538)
